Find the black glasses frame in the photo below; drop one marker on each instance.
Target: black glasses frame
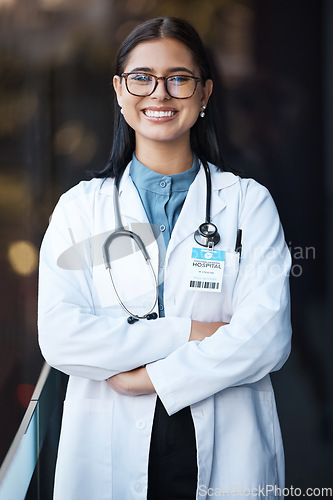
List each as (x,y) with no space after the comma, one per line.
(157,78)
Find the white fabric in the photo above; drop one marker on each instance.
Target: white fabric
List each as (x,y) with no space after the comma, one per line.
(104,444)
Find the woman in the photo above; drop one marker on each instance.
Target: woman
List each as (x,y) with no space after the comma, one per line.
(178,407)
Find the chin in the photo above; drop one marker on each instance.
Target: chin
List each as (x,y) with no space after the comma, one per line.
(167,138)
(165,135)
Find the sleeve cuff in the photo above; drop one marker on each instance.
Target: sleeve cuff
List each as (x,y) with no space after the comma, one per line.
(182,331)
(163,387)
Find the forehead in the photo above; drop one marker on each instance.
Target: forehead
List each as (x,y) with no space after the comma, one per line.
(160,54)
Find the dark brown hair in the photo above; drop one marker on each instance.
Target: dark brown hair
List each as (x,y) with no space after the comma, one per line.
(204,142)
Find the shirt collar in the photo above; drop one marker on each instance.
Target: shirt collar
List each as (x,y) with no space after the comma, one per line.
(146,178)
(220,180)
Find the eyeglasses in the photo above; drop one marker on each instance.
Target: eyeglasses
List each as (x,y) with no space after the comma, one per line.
(144,84)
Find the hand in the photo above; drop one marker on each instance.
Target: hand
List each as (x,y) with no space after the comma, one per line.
(200,329)
(133,383)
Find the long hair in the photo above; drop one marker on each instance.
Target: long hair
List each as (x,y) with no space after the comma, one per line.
(203,137)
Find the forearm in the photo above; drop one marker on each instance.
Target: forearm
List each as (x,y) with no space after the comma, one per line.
(240,353)
(132,383)
(98,347)
(137,382)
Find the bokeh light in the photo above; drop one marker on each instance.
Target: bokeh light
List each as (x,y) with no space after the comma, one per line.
(23,257)
(74,140)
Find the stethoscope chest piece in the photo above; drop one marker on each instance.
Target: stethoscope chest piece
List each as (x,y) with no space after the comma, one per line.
(207,235)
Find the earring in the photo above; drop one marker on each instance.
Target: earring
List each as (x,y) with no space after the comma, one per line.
(202,114)
(121,111)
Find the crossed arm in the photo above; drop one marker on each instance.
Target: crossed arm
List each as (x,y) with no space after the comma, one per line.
(137,382)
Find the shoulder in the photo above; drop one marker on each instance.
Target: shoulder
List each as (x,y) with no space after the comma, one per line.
(82,192)
(83,196)
(75,207)
(233,182)
(251,197)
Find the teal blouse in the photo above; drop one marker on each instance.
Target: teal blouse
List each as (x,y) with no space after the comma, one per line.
(163,197)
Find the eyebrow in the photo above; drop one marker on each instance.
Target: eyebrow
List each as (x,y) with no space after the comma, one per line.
(170,70)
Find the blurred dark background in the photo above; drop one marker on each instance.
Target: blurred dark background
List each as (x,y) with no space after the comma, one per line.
(273,65)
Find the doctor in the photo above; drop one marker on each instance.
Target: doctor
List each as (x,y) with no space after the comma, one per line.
(178,407)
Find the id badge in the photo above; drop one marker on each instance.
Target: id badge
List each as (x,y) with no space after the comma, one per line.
(206,270)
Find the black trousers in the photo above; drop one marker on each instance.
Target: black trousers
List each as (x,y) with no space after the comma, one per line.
(172,471)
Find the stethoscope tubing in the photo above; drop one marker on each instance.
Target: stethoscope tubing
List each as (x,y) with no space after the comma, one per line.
(208,190)
(120,231)
(207,236)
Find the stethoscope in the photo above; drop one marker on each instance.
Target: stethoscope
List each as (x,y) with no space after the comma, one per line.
(206,235)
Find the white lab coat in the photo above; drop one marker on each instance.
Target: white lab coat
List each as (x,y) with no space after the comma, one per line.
(105,438)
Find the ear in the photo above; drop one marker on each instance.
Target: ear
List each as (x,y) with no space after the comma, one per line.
(117,85)
(206,92)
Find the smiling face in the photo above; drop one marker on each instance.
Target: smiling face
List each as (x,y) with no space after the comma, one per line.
(159,117)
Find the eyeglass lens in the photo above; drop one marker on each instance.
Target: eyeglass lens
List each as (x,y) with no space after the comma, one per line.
(180,86)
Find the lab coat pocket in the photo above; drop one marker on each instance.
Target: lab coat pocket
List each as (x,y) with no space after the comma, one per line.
(247,436)
(217,306)
(84,458)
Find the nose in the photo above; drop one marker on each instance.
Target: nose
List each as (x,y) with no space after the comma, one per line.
(160,91)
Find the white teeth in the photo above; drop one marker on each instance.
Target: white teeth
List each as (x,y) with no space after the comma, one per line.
(158,114)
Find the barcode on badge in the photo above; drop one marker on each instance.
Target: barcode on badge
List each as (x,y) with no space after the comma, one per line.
(204,284)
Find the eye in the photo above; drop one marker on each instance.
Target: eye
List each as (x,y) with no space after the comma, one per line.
(179,79)
(140,78)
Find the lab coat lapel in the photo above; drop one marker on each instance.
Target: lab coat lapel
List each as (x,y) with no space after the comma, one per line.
(131,207)
(133,215)
(193,212)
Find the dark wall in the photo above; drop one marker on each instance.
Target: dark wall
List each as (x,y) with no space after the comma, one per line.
(289,106)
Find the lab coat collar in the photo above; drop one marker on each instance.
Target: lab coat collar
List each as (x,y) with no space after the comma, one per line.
(194,208)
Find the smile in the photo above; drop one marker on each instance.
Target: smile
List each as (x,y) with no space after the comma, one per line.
(158,114)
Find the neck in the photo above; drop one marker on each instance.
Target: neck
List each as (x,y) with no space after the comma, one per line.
(165,158)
